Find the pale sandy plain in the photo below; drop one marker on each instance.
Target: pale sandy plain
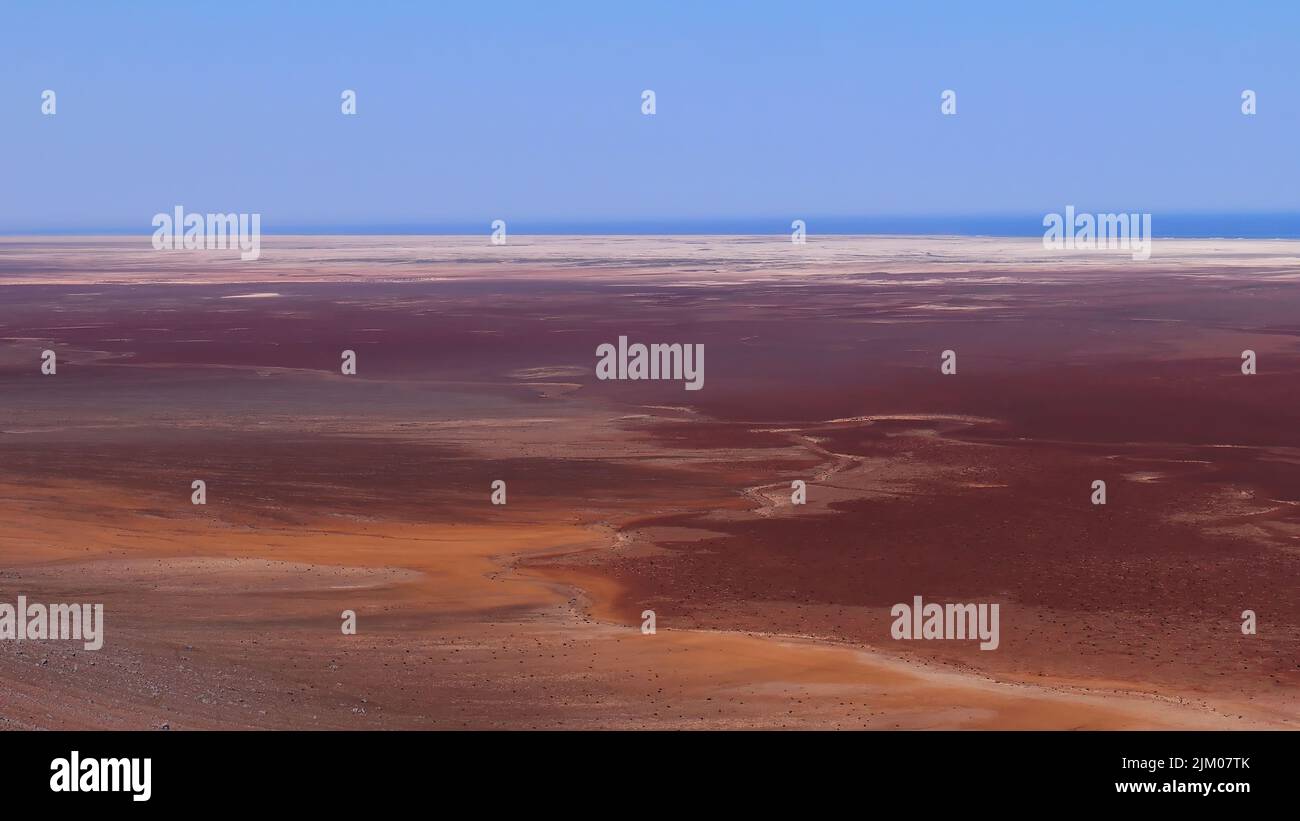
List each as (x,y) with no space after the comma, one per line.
(371,493)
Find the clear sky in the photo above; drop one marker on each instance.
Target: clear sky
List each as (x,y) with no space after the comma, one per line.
(531,112)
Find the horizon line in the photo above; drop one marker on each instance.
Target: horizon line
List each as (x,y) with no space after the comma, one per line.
(1171,225)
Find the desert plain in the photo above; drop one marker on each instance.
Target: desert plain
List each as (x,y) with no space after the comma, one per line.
(371,492)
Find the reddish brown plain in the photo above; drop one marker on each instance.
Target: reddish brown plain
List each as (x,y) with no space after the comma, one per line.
(371,493)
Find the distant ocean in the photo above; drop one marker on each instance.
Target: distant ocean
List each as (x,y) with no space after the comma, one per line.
(1190,226)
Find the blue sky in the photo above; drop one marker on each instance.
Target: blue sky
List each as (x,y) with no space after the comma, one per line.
(530,112)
